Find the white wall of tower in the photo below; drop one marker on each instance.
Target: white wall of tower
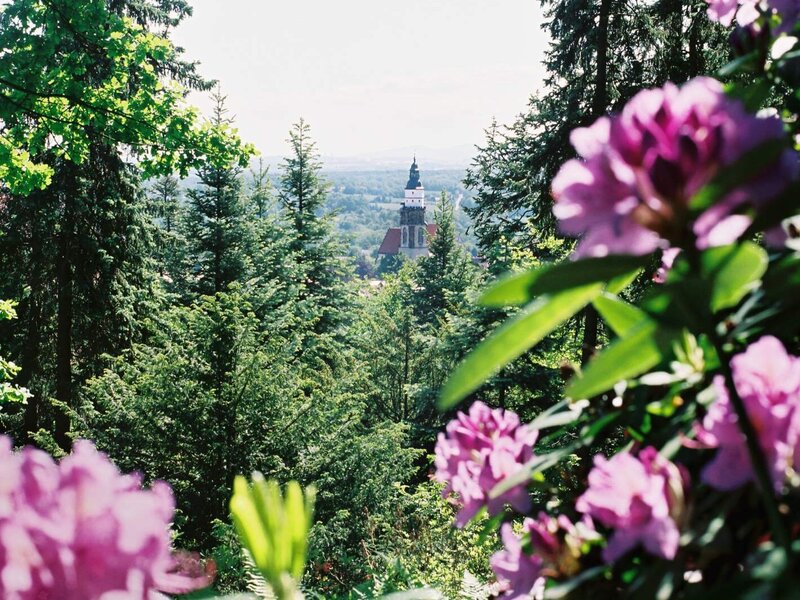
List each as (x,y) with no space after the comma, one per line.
(415,197)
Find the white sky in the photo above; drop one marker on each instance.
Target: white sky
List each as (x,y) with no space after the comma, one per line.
(368,75)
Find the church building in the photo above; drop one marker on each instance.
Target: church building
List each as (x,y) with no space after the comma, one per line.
(411,238)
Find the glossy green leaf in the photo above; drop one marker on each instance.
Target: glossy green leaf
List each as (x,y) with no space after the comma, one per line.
(641,349)
(563,590)
(556,416)
(621,316)
(513,338)
(736,270)
(521,288)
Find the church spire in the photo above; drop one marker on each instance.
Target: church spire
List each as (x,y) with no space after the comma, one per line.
(413,176)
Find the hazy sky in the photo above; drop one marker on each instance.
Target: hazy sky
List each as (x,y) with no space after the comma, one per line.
(368,75)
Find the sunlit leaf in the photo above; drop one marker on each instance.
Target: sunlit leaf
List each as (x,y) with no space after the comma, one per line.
(644,347)
(621,316)
(521,288)
(513,338)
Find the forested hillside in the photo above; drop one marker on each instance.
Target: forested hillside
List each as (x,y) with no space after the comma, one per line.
(612,286)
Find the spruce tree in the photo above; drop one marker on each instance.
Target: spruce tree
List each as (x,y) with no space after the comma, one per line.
(302,195)
(164,205)
(217,225)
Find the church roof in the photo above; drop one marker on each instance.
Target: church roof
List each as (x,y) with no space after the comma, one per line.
(391,241)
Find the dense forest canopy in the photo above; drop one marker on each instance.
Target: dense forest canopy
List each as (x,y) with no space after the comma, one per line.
(611,284)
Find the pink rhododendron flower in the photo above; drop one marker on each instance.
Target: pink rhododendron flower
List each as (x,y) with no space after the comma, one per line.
(519,572)
(630,194)
(80,530)
(479,451)
(767,379)
(549,547)
(642,498)
(747,11)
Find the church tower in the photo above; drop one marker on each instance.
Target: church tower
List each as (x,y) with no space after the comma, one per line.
(414,232)
(411,238)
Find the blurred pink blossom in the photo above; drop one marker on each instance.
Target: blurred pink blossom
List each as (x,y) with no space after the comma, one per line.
(767,379)
(747,11)
(478,451)
(549,547)
(80,530)
(642,498)
(667,260)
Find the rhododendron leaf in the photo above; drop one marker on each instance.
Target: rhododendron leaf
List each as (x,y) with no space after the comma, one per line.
(641,349)
(621,316)
(556,416)
(563,590)
(727,274)
(741,63)
(274,529)
(521,288)
(752,95)
(590,432)
(247,522)
(737,174)
(421,594)
(513,338)
(736,270)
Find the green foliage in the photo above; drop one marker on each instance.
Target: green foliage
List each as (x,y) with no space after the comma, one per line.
(8,370)
(274,528)
(422,548)
(73,70)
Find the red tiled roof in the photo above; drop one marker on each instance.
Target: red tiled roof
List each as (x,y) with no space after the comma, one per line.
(391,241)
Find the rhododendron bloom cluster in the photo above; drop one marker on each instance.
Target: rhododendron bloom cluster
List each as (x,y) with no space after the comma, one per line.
(478,451)
(550,547)
(747,11)
(80,530)
(642,498)
(630,194)
(767,379)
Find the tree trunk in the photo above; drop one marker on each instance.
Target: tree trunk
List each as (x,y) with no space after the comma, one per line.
(31,363)
(64,322)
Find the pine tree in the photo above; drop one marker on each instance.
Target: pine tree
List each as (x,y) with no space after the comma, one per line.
(217,226)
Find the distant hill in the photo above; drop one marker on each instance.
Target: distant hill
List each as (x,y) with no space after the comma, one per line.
(455,157)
